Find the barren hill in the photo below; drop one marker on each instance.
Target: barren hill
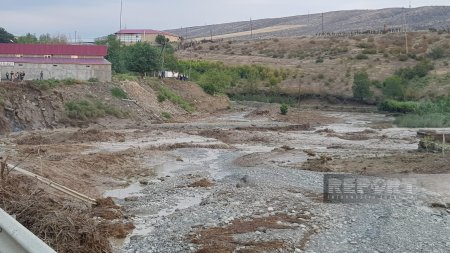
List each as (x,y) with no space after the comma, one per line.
(421,18)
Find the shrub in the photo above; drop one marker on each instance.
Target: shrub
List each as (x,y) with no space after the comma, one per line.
(69,81)
(402,57)
(85,109)
(284,109)
(428,120)
(361,57)
(167,93)
(436,53)
(393,87)
(369,51)
(319,60)
(391,105)
(119,93)
(361,86)
(93,80)
(166,115)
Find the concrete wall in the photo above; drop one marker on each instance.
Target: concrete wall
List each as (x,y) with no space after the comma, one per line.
(60,71)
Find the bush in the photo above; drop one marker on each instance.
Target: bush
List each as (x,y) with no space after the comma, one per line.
(393,87)
(167,93)
(403,57)
(319,60)
(428,120)
(85,109)
(93,80)
(284,109)
(119,93)
(436,53)
(361,86)
(166,115)
(391,105)
(369,51)
(361,57)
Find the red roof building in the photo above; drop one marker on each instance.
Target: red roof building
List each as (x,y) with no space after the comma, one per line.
(50,49)
(81,62)
(131,36)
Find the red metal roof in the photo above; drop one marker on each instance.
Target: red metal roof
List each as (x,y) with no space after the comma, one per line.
(39,60)
(142,31)
(53,49)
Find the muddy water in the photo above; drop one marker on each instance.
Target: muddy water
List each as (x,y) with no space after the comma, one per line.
(218,164)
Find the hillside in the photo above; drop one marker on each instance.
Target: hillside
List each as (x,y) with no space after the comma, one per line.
(421,18)
(32,106)
(326,66)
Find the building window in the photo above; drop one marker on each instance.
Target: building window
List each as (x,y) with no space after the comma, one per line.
(130,38)
(47,56)
(55,65)
(19,55)
(74,56)
(87,66)
(20,64)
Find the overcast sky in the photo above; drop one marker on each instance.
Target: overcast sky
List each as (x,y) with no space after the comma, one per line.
(94,18)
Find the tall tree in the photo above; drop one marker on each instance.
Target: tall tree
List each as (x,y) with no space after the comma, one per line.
(116,53)
(361,86)
(142,58)
(6,37)
(28,39)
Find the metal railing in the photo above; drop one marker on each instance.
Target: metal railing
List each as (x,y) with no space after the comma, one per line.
(15,238)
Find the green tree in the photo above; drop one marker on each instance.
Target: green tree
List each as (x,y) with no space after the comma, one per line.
(361,86)
(161,39)
(142,58)
(116,53)
(28,39)
(393,87)
(6,37)
(214,82)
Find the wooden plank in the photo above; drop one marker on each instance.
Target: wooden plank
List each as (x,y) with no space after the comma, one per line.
(55,186)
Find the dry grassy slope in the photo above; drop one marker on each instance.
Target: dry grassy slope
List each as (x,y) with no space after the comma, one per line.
(27,107)
(336,21)
(335,75)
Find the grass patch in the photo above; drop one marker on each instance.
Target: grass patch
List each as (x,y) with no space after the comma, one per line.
(52,83)
(166,115)
(423,120)
(126,77)
(167,93)
(85,109)
(119,93)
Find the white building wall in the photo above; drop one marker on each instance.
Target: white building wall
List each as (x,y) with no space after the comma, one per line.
(60,71)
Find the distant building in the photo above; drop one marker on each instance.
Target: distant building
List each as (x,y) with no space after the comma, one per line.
(80,62)
(131,36)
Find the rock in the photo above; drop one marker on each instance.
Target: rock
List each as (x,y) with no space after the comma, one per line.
(438,205)
(353,242)
(179,159)
(143,182)
(270,209)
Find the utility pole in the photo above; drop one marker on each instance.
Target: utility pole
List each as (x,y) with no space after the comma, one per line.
(251,28)
(120,14)
(322,22)
(75,40)
(405,30)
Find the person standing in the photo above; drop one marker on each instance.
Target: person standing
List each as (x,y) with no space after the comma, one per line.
(12,76)
(41,75)
(7,76)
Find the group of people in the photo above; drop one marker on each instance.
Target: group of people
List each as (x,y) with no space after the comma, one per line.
(19,76)
(182,77)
